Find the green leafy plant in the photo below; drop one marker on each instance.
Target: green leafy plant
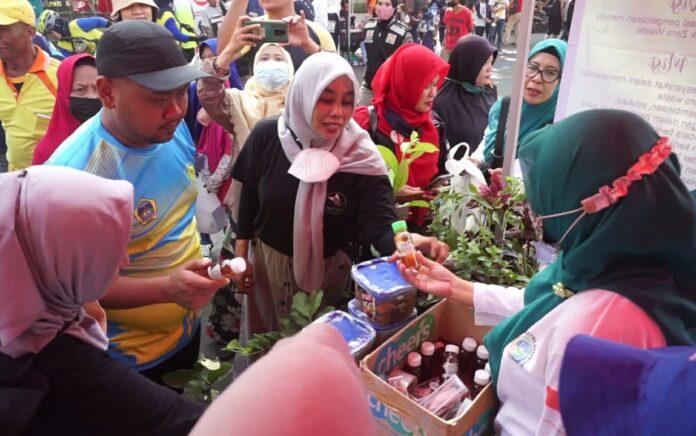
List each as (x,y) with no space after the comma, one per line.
(496,244)
(398,171)
(305,309)
(199,383)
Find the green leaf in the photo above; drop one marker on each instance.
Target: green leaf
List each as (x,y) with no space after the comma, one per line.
(401,176)
(315,299)
(389,157)
(234,345)
(215,375)
(209,364)
(419,203)
(300,320)
(179,378)
(195,389)
(325,310)
(300,302)
(424,147)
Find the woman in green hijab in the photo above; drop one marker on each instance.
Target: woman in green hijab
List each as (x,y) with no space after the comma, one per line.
(608,190)
(541,84)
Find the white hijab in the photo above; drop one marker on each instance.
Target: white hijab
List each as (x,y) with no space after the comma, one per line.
(63,234)
(318,159)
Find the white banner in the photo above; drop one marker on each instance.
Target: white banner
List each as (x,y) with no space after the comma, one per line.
(636,55)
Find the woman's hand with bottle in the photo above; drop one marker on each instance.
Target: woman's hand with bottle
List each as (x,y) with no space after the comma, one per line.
(244,282)
(243,36)
(435,279)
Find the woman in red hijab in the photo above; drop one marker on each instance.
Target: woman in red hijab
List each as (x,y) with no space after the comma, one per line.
(405,87)
(77,101)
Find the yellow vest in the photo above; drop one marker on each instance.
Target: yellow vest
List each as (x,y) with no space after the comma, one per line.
(165,17)
(25,114)
(90,39)
(184,15)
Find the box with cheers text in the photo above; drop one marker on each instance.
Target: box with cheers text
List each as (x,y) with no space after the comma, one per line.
(395,413)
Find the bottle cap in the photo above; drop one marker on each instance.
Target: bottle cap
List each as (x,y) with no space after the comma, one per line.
(469,344)
(237,264)
(451,348)
(481,377)
(427,348)
(399,226)
(414,360)
(482,352)
(487,368)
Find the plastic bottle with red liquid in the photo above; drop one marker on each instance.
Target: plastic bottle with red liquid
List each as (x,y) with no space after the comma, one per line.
(467,357)
(427,350)
(413,365)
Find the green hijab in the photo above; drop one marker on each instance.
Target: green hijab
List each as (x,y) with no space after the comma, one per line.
(642,247)
(533,117)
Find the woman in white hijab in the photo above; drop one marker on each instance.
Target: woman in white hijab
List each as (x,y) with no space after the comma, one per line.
(238,111)
(314,189)
(63,235)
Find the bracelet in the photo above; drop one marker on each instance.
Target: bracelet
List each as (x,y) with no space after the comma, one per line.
(219,70)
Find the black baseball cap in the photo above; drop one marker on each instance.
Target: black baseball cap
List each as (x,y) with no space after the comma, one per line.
(145,53)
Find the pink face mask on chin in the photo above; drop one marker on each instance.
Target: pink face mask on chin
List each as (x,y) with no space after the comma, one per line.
(384,12)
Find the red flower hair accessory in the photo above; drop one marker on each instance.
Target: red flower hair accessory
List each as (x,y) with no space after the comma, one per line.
(647,164)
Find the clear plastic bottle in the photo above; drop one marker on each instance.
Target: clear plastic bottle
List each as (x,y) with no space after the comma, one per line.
(229,268)
(427,350)
(413,365)
(451,364)
(481,358)
(405,247)
(481,379)
(467,356)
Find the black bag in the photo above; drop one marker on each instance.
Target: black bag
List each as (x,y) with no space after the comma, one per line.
(496,160)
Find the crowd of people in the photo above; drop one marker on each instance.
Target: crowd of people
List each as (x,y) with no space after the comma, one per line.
(114,126)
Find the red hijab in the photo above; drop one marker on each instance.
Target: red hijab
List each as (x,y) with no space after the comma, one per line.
(398,85)
(63,122)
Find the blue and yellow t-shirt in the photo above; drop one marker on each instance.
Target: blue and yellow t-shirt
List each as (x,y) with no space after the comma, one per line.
(163,235)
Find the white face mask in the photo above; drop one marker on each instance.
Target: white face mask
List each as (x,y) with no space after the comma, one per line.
(272,75)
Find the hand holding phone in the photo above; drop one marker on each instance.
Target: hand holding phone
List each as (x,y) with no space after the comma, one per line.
(270,30)
(439,181)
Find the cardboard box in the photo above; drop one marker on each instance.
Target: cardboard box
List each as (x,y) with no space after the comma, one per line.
(396,414)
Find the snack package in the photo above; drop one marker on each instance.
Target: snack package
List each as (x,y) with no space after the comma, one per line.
(448,394)
(402,381)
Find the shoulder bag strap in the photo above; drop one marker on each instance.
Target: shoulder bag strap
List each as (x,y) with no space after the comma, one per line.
(497,160)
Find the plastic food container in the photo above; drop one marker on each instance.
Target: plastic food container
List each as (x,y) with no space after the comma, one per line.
(383,332)
(382,294)
(358,334)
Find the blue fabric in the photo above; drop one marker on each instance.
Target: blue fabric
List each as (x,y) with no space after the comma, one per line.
(306,6)
(90,23)
(532,117)
(48,47)
(608,388)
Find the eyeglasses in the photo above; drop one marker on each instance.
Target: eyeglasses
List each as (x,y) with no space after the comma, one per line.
(547,76)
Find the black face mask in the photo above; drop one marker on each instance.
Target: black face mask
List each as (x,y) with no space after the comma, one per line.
(84,108)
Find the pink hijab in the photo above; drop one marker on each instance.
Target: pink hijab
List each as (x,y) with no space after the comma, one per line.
(63,235)
(63,123)
(307,385)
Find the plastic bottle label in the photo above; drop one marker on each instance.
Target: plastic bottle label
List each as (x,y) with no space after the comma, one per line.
(405,247)
(215,272)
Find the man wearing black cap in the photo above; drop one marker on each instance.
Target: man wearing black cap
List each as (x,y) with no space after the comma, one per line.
(139,136)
